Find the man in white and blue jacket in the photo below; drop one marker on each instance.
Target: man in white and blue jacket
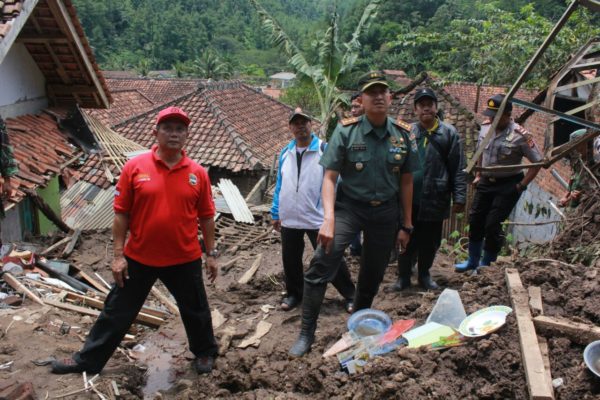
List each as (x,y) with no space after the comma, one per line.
(297,209)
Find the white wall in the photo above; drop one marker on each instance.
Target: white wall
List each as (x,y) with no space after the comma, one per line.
(23,87)
(534,201)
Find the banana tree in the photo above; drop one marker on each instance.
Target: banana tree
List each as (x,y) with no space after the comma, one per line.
(334,61)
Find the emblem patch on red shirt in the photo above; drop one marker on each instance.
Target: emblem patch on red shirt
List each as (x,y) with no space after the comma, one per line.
(142,177)
(193,179)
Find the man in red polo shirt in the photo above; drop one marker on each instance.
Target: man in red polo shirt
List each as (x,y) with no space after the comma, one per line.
(160,197)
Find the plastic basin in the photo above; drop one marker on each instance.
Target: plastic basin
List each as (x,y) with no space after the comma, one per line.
(369,322)
(591,356)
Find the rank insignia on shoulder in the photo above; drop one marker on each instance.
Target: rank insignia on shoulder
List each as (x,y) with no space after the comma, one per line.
(520,130)
(349,121)
(402,124)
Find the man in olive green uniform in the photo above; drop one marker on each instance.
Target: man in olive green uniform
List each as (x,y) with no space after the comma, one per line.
(375,157)
(497,192)
(8,167)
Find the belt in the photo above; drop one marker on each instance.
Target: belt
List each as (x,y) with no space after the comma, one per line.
(372,203)
(504,179)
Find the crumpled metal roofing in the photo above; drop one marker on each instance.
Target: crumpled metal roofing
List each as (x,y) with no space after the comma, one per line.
(87,207)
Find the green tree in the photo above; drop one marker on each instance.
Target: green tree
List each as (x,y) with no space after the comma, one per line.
(494,47)
(210,66)
(334,58)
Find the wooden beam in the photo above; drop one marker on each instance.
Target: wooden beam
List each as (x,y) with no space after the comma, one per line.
(71,89)
(591,4)
(535,299)
(59,10)
(583,107)
(93,282)
(143,319)
(55,246)
(165,300)
(576,331)
(576,85)
(251,271)
(536,304)
(19,287)
(42,39)
(72,243)
(586,66)
(533,363)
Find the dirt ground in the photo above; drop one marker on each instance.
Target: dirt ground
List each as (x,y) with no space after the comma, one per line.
(487,368)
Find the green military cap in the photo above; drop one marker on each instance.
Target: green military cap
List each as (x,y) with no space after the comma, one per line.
(577,134)
(372,78)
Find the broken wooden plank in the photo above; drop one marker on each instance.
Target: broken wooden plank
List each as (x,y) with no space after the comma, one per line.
(535,302)
(226,265)
(93,282)
(115,389)
(172,307)
(250,273)
(19,287)
(143,319)
(55,246)
(537,382)
(145,313)
(535,299)
(576,331)
(72,243)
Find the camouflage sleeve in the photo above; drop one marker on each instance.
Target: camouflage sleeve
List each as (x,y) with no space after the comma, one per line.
(8,164)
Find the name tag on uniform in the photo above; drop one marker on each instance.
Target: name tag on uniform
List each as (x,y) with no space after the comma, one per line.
(358,147)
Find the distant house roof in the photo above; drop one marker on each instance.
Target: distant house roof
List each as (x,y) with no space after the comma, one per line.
(234,127)
(53,36)
(40,149)
(284,76)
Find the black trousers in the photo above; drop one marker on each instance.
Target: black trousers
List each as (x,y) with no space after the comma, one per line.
(292,249)
(422,248)
(492,204)
(379,233)
(122,305)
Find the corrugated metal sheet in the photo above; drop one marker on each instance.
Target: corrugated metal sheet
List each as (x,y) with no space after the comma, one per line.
(235,202)
(87,207)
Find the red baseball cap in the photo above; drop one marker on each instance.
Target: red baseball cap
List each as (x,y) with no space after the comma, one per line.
(173,113)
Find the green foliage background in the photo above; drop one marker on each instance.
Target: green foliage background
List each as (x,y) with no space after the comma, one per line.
(486,41)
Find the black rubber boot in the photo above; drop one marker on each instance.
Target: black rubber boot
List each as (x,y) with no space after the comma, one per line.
(311,305)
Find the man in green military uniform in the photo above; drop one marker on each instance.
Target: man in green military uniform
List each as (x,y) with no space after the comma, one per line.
(375,157)
(8,166)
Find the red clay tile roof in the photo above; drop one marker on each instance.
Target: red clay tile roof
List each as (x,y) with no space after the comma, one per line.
(156,90)
(234,126)
(474,97)
(39,148)
(93,171)
(67,79)
(133,96)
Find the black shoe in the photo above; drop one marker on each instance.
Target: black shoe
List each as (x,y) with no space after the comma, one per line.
(400,285)
(428,283)
(204,365)
(289,302)
(66,366)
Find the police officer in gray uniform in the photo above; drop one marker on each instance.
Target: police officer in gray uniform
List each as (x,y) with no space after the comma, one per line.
(497,192)
(375,157)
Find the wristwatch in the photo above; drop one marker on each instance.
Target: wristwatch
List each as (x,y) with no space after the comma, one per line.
(407,229)
(213,253)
